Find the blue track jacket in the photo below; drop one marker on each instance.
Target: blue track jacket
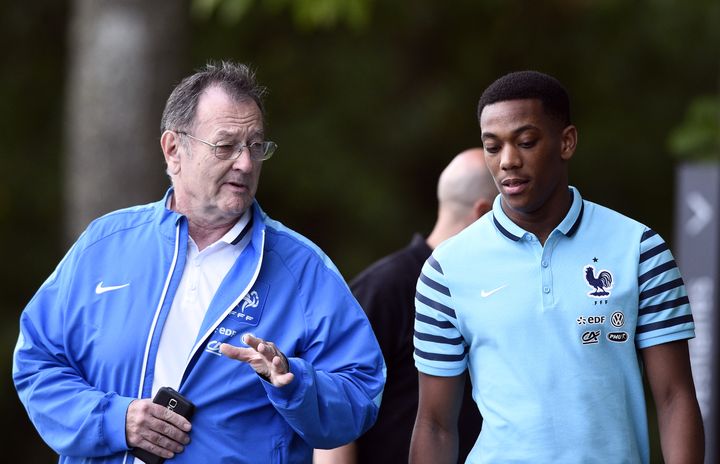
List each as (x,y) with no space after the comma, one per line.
(83,355)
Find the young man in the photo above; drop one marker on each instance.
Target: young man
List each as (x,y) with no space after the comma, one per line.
(548,301)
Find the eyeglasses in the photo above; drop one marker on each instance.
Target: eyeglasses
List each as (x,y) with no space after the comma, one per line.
(259,151)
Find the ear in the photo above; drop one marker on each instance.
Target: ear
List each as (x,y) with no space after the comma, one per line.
(569,142)
(170,144)
(480,207)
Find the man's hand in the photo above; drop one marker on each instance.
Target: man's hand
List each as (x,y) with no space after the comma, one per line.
(156,429)
(264,357)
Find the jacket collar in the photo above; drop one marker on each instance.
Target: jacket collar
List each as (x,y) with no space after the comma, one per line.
(166,216)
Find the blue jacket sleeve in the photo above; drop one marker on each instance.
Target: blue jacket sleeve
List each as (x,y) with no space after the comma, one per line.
(72,417)
(340,375)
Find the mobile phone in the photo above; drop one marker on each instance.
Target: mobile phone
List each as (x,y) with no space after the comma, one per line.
(175,402)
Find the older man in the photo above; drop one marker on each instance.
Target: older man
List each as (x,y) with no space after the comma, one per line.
(175,293)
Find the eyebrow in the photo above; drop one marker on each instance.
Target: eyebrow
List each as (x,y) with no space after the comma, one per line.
(224,133)
(517,131)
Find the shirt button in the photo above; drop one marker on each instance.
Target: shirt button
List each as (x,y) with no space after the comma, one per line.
(544,264)
(546,289)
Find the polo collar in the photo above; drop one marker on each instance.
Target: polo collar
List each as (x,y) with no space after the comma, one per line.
(568,226)
(233,236)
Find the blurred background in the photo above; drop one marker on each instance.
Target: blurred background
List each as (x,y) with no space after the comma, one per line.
(367,101)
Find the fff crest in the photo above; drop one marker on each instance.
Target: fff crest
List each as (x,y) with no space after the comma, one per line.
(601,282)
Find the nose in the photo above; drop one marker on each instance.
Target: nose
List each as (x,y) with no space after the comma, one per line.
(243,162)
(510,158)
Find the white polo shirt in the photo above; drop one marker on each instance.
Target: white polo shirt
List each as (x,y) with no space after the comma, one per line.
(204,271)
(550,333)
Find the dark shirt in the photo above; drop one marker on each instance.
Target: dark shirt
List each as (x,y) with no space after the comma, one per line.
(386,291)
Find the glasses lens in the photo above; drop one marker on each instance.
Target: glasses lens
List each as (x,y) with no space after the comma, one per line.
(268,149)
(257,150)
(224,151)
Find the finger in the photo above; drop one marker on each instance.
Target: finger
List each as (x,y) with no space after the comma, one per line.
(157,428)
(162,442)
(150,445)
(172,423)
(280,372)
(267,350)
(251,340)
(279,365)
(282,379)
(235,352)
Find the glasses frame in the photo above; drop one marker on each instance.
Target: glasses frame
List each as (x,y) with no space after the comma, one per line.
(269,148)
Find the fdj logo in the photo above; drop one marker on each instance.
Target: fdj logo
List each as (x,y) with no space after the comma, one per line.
(591,337)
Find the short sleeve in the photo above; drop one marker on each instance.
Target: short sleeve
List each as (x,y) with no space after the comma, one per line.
(663,308)
(439,346)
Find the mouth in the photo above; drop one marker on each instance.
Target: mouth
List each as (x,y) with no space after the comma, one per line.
(514,185)
(236,185)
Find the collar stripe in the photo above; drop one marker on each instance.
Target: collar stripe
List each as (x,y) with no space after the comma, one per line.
(504,231)
(575,226)
(243,232)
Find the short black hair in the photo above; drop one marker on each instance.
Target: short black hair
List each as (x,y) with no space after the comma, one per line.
(523,85)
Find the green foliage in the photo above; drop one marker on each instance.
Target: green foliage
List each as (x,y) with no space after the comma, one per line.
(698,136)
(308,14)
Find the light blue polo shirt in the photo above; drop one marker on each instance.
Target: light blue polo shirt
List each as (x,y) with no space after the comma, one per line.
(550,333)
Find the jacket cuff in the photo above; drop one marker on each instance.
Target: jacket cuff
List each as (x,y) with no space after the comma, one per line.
(291,394)
(114,419)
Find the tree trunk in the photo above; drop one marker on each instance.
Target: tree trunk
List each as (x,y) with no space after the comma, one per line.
(125,56)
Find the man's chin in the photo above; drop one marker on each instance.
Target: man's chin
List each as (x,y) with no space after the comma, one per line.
(238,206)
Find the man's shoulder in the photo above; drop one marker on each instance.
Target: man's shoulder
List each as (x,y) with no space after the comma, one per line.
(604,218)
(122,219)
(293,247)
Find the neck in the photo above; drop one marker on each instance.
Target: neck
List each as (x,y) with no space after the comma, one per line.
(204,229)
(444,229)
(542,223)
(205,235)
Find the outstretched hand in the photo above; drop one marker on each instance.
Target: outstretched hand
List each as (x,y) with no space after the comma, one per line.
(264,357)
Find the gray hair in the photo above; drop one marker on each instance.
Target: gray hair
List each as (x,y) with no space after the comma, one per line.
(238,80)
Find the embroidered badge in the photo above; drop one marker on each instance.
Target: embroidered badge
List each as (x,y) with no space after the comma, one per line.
(601,282)
(249,309)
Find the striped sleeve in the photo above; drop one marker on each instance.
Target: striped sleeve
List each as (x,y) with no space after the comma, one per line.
(439,347)
(664,309)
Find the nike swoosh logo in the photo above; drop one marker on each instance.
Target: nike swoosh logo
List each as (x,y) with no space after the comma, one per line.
(485,294)
(100,289)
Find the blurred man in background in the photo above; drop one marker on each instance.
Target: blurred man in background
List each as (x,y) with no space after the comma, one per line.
(551,301)
(386,291)
(159,295)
